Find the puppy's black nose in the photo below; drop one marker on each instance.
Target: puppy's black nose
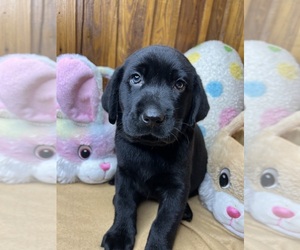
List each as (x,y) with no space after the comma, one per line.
(153,117)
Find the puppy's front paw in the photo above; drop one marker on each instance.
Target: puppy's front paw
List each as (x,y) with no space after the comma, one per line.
(117,240)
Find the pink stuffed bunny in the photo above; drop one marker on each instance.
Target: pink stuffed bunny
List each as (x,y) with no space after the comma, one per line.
(27,119)
(85,138)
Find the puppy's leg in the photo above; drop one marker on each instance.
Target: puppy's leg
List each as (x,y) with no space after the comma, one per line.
(121,235)
(188,213)
(112,181)
(170,212)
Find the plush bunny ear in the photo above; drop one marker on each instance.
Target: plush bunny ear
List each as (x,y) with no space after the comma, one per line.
(27,87)
(285,125)
(106,72)
(235,125)
(79,86)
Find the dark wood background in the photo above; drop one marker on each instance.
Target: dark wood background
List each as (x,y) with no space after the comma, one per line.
(274,21)
(28,26)
(107,31)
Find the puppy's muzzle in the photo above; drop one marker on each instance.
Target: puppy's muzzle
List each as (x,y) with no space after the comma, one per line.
(152,117)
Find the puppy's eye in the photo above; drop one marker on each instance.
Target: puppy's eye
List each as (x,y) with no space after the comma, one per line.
(180,85)
(135,79)
(224,178)
(44,151)
(84,152)
(269,178)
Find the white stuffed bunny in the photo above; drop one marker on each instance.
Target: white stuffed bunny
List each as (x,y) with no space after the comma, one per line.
(85,138)
(27,119)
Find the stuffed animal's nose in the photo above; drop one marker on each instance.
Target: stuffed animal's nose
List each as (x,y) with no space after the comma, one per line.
(105,166)
(153,117)
(282,212)
(233,212)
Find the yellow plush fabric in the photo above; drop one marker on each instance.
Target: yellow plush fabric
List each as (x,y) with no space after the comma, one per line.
(274,154)
(279,147)
(228,151)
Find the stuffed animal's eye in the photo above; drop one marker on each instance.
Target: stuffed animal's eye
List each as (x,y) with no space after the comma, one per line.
(180,85)
(269,178)
(44,151)
(84,152)
(224,178)
(135,79)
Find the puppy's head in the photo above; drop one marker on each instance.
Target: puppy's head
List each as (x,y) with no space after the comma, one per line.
(154,94)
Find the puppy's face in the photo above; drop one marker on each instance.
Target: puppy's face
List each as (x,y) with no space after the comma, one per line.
(154,94)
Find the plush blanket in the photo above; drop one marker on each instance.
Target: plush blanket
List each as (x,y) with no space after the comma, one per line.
(75,216)
(259,236)
(85,212)
(28,216)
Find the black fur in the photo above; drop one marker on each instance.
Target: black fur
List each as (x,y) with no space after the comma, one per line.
(155,98)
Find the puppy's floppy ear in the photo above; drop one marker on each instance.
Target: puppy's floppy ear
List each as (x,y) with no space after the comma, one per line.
(110,97)
(200,106)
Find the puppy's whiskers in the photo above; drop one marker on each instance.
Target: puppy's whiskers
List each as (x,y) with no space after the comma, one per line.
(184,135)
(172,134)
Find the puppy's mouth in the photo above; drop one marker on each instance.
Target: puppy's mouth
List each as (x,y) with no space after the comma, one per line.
(151,140)
(136,129)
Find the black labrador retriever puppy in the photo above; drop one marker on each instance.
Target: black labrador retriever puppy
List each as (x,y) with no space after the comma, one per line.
(155,98)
